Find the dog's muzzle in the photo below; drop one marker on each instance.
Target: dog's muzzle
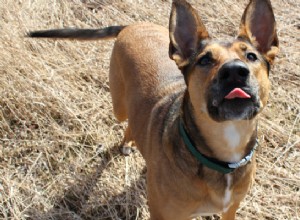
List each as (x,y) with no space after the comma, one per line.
(234,93)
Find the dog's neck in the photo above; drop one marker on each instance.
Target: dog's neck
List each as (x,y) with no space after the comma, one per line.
(225,141)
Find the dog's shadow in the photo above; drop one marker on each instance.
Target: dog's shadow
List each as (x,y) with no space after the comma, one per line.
(75,205)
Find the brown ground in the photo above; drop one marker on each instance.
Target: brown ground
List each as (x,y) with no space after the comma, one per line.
(58,136)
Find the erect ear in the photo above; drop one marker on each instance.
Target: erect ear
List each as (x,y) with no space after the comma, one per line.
(259,27)
(186,32)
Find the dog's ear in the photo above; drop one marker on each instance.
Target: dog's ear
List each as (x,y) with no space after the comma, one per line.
(259,27)
(186,32)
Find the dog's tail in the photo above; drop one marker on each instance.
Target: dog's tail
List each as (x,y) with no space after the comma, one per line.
(80,34)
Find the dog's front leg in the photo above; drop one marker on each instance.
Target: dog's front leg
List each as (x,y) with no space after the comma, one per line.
(230,213)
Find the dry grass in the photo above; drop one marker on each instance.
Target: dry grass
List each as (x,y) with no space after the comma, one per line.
(58,137)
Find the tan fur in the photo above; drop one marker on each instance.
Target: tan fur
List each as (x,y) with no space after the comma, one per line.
(153,93)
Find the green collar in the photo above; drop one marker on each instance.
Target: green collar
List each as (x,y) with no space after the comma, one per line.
(220,166)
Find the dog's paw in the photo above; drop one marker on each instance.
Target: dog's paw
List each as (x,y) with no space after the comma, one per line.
(125,150)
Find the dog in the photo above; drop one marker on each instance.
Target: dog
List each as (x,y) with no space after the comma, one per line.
(193,120)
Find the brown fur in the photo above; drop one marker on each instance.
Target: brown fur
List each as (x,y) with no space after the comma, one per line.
(150,91)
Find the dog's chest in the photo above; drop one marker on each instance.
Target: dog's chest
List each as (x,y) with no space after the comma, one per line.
(217,202)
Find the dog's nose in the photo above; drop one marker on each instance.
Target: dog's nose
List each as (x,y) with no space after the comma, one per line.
(234,71)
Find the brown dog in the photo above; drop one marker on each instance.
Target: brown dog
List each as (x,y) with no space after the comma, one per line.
(194,123)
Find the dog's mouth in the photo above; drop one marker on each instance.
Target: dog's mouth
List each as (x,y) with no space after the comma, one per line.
(235,103)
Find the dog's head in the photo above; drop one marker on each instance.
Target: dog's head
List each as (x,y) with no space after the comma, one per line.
(228,80)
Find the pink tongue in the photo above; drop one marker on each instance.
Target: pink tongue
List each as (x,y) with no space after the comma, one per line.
(237,93)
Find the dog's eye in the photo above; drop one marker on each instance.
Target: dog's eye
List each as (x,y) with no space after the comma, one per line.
(251,57)
(205,60)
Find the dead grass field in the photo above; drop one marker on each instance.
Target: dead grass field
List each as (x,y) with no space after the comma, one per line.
(58,137)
